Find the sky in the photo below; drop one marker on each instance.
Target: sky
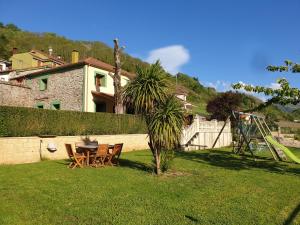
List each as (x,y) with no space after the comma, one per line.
(220,42)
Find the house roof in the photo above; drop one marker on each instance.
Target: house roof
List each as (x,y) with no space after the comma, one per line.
(5,61)
(25,69)
(51,57)
(88,61)
(103,95)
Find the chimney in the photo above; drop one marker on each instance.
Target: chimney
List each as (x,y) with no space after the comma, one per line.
(50,50)
(14,50)
(75,56)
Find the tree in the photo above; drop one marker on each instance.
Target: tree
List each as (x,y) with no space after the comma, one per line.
(4,53)
(12,27)
(119,108)
(283,95)
(222,105)
(147,95)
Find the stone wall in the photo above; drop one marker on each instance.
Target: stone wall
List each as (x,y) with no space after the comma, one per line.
(65,87)
(14,150)
(15,95)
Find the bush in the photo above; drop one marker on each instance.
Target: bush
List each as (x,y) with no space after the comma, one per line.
(22,122)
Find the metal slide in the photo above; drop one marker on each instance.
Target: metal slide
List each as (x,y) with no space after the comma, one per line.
(287,151)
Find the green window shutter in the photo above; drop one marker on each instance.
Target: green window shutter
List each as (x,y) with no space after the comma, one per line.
(102,78)
(55,105)
(104,81)
(43,84)
(39,105)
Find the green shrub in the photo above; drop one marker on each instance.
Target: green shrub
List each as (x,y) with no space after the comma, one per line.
(22,122)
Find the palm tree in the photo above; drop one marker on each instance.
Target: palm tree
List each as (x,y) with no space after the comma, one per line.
(163,114)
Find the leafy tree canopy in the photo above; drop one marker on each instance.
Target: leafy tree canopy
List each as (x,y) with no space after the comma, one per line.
(221,106)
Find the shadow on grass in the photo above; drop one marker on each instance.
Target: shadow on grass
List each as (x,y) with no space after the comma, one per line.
(122,163)
(65,162)
(292,216)
(135,165)
(231,161)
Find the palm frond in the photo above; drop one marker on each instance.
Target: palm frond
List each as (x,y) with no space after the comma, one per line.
(147,89)
(166,124)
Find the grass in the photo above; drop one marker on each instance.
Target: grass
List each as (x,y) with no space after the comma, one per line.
(202,188)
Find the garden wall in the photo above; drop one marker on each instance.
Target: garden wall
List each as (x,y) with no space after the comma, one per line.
(14,150)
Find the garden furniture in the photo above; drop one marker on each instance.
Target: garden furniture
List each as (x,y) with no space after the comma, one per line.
(77,159)
(77,148)
(113,158)
(101,155)
(88,150)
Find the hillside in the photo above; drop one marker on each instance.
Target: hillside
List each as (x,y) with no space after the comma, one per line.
(11,36)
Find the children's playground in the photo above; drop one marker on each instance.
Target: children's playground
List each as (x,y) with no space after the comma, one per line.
(252,135)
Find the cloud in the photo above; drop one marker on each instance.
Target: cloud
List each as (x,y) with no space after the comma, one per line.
(275,86)
(171,57)
(223,86)
(220,85)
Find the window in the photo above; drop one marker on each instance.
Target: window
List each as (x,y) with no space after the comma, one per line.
(43,84)
(100,80)
(40,105)
(100,107)
(55,105)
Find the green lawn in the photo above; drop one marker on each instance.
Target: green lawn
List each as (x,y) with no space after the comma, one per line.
(203,188)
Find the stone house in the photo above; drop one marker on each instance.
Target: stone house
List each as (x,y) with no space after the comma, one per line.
(85,86)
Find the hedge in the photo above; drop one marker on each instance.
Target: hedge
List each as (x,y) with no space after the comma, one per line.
(23,122)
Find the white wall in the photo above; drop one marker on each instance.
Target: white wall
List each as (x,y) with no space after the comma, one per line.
(90,85)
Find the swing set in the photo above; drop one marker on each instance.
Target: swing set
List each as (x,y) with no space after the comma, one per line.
(253,134)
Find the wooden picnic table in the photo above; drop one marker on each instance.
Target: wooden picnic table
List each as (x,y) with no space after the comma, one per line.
(88,148)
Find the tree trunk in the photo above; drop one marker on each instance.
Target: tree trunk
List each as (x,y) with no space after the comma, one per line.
(119,109)
(156,156)
(157,160)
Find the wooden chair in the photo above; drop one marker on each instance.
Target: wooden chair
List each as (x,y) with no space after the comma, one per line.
(113,158)
(100,156)
(76,158)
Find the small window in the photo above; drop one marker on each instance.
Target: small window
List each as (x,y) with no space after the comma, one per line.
(100,80)
(43,84)
(100,107)
(56,105)
(40,105)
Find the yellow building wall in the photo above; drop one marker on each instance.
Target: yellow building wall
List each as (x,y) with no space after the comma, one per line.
(26,60)
(89,83)
(21,61)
